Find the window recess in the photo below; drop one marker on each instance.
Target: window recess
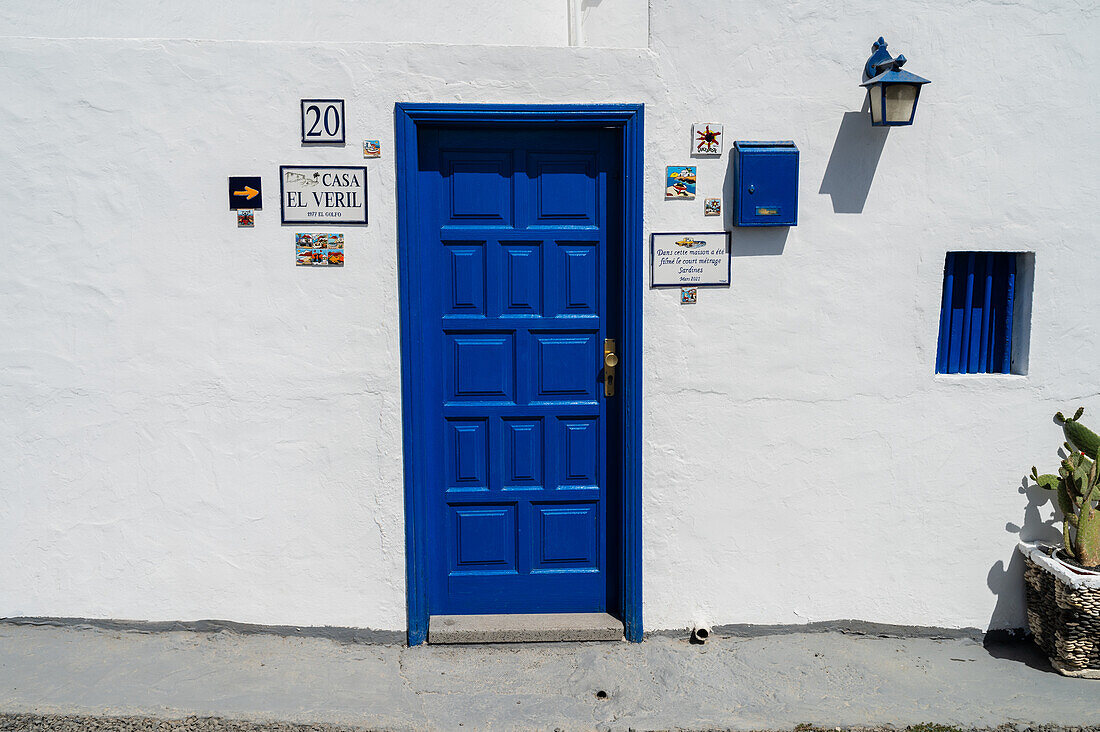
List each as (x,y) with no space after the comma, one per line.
(984,313)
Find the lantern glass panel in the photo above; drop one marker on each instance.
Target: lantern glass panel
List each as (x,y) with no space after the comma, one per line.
(874,95)
(900,100)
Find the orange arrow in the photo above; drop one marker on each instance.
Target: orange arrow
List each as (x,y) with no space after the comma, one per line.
(249,193)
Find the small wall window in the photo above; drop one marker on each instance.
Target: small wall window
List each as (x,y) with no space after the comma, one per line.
(985,313)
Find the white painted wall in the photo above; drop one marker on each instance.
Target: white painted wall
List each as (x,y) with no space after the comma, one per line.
(605,23)
(197,429)
(496,22)
(613,23)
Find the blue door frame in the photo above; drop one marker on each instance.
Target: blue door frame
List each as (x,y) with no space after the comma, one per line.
(625,460)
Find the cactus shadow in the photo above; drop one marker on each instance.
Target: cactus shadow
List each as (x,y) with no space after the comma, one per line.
(1006,579)
(1017,647)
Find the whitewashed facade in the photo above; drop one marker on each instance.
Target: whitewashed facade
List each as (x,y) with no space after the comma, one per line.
(197,429)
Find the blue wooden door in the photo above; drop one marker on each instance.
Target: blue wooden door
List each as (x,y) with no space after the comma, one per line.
(510,313)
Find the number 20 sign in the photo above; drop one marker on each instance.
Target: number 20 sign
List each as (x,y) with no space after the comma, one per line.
(322,121)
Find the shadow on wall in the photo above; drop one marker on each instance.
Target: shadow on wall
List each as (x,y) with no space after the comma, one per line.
(749,241)
(1007,583)
(852,164)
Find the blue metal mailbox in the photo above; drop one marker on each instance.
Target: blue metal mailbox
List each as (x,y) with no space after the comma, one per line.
(766,182)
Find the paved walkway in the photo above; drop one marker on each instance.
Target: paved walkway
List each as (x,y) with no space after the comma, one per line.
(769,682)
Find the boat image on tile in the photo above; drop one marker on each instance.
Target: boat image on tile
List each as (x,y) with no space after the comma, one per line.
(680,181)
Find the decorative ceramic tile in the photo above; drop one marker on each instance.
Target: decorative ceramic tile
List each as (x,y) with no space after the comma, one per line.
(712,206)
(680,181)
(689,295)
(706,138)
(319,250)
(246,217)
(372,149)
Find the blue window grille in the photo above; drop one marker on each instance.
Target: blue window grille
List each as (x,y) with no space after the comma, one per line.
(976,313)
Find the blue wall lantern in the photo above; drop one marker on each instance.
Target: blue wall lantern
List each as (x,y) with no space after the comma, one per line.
(891,92)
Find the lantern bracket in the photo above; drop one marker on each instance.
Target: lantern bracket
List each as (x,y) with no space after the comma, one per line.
(881,60)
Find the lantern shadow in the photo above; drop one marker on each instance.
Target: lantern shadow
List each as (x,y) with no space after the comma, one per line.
(853,162)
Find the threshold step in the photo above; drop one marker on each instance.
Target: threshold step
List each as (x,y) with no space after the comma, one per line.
(531,628)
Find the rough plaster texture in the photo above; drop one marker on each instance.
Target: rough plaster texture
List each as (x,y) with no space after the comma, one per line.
(606,23)
(530,23)
(197,429)
(773,682)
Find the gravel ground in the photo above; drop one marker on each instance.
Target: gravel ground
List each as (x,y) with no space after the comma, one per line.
(62,723)
(59,723)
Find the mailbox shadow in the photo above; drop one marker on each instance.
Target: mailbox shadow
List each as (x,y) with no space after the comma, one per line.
(749,241)
(853,162)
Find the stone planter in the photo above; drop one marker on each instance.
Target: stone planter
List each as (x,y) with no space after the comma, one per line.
(1063,612)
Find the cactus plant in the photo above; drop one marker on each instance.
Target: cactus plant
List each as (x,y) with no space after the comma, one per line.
(1078,434)
(1077,484)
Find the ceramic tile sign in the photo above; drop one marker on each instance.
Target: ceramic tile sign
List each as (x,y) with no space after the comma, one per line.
(680,181)
(246,217)
(323,121)
(331,195)
(712,206)
(319,250)
(372,149)
(706,138)
(694,259)
(245,191)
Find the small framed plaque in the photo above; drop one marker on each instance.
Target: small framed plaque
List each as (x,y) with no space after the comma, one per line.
(323,194)
(697,259)
(323,121)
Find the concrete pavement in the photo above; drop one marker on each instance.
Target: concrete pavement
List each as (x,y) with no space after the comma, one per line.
(767,682)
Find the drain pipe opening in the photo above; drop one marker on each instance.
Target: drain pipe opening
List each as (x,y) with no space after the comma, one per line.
(700,634)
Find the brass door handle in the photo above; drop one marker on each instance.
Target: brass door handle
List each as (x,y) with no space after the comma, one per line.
(610,361)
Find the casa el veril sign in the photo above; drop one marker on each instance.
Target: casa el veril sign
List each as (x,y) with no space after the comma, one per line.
(324,195)
(690,260)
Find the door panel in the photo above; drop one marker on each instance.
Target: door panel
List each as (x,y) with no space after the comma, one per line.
(511,317)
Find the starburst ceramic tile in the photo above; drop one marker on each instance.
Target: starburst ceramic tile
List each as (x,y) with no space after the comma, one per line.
(706,138)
